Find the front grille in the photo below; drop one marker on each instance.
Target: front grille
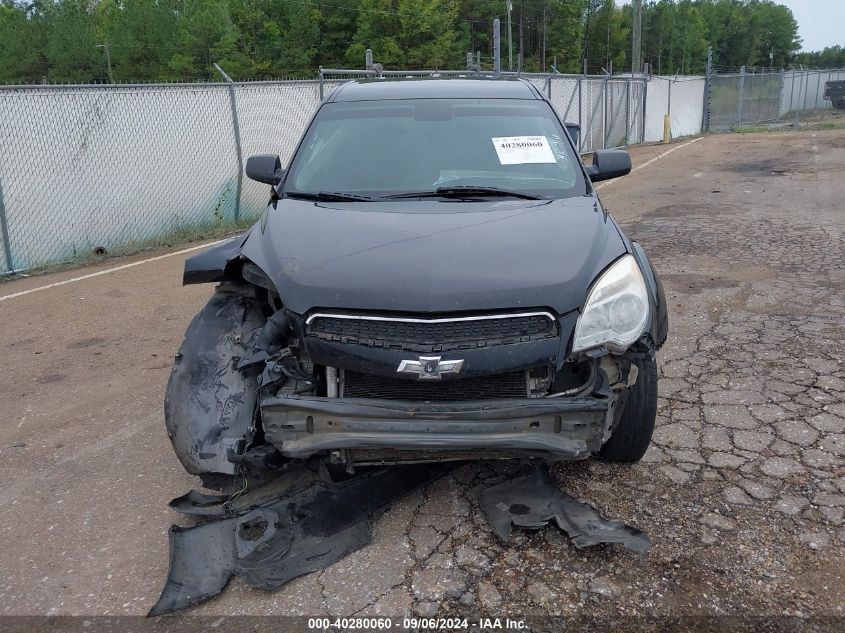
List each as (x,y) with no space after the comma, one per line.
(511,385)
(434,335)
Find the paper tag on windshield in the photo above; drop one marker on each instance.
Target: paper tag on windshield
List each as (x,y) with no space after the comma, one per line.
(520,150)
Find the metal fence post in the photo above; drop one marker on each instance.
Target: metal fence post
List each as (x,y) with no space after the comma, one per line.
(608,113)
(580,121)
(792,90)
(238,149)
(604,130)
(644,97)
(708,88)
(751,103)
(627,112)
(799,106)
(4,229)
(741,95)
(497,47)
(782,79)
(806,90)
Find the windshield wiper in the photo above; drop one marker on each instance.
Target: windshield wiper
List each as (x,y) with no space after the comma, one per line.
(464,191)
(328,196)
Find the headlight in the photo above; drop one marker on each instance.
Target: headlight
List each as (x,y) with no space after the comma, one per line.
(254,275)
(617,309)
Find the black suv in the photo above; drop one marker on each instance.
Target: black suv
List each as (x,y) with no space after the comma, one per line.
(434,278)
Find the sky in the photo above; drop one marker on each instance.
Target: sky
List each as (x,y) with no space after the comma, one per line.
(820,22)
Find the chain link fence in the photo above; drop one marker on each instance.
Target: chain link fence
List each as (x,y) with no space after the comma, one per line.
(747,98)
(99,169)
(737,99)
(804,90)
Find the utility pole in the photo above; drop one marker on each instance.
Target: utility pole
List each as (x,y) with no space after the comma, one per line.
(609,12)
(543,54)
(108,60)
(587,33)
(521,49)
(510,36)
(636,46)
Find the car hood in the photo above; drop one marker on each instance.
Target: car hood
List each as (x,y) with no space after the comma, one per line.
(434,256)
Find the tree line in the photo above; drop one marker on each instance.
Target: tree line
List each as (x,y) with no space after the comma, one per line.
(829,57)
(81,41)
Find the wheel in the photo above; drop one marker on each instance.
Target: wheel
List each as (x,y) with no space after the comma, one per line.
(632,435)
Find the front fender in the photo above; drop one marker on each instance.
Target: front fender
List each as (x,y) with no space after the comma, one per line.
(213,265)
(659,328)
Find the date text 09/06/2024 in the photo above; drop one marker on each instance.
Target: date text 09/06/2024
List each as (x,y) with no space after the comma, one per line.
(414,624)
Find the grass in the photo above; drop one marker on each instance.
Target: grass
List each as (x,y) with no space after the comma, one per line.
(752,129)
(179,236)
(814,120)
(829,125)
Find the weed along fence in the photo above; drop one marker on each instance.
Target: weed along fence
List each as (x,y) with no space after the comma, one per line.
(103,168)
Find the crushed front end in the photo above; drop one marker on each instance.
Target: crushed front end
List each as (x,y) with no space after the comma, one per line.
(387,388)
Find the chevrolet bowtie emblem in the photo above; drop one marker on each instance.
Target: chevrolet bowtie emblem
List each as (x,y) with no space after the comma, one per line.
(429,367)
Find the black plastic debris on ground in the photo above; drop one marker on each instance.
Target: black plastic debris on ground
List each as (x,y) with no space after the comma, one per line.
(532,500)
(299,523)
(303,521)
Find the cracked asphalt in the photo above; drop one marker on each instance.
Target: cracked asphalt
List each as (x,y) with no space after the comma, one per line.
(742,492)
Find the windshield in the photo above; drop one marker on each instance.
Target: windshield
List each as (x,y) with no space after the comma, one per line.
(383,148)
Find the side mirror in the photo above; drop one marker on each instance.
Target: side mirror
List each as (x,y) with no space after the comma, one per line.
(574,133)
(266,168)
(609,163)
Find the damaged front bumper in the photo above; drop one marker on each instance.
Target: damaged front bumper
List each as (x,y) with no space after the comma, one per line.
(551,428)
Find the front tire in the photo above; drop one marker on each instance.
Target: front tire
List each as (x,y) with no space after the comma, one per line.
(632,435)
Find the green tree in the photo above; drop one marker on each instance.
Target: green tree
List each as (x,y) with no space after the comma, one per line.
(378,28)
(778,35)
(153,40)
(337,27)
(71,52)
(22,44)
(565,34)
(205,35)
(141,35)
(606,36)
(427,34)
(829,57)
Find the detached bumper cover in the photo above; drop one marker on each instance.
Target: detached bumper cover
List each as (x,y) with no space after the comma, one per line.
(559,428)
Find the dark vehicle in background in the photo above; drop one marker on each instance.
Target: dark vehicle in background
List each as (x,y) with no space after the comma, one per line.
(835,92)
(434,278)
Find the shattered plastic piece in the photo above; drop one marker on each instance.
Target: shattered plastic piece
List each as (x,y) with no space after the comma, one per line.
(531,501)
(298,523)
